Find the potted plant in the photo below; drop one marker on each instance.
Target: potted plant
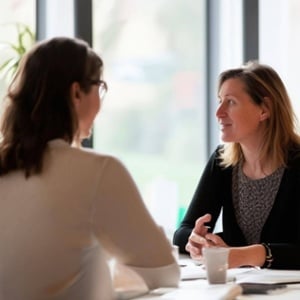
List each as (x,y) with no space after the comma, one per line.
(13,51)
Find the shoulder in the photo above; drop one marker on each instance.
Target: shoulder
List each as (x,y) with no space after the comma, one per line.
(215,157)
(83,156)
(107,161)
(214,163)
(294,157)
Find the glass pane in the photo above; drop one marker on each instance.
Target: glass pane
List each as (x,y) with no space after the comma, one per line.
(154,115)
(280,43)
(16,17)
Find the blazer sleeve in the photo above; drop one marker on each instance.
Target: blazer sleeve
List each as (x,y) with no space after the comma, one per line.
(206,199)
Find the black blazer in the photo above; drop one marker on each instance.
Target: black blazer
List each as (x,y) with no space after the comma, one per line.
(281,229)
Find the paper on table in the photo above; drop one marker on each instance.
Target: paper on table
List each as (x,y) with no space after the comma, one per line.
(209,292)
(191,272)
(268,276)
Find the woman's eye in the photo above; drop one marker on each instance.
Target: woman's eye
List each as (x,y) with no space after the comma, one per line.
(226,101)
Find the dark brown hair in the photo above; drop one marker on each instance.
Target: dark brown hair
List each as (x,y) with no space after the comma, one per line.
(39,106)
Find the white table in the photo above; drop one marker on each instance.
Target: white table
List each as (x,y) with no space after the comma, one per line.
(200,289)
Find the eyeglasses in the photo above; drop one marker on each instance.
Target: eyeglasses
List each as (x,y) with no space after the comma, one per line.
(102,87)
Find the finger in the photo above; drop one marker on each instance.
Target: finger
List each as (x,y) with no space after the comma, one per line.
(194,251)
(199,224)
(187,247)
(215,239)
(195,238)
(196,257)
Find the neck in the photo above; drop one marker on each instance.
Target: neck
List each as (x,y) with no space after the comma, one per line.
(256,170)
(254,166)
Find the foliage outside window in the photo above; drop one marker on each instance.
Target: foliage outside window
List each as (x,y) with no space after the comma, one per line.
(154,117)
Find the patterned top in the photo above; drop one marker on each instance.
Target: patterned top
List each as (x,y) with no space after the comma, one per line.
(253,201)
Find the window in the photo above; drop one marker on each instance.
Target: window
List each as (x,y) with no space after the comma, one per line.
(154,115)
(280,43)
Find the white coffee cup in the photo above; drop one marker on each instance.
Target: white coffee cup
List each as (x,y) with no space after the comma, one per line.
(216,264)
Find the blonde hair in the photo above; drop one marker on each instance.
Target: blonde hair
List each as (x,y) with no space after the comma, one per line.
(264,86)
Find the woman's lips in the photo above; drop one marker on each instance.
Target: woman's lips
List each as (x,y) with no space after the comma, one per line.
(224,125)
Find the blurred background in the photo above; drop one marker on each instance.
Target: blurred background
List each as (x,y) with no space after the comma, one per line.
(162,59)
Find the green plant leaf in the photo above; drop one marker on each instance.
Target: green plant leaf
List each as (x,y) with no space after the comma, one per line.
(24,41)
(6,63)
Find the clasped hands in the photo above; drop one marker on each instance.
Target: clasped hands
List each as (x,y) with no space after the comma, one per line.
(200,237)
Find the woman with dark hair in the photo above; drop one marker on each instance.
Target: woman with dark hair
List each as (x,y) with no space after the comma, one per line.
(254,177)
(65,210)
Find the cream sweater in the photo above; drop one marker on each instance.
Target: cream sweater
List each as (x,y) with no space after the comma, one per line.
(57,228)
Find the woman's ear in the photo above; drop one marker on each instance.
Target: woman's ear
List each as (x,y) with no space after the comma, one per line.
(265,113)
(75,93)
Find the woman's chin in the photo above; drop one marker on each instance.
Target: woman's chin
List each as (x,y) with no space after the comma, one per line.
(226,139)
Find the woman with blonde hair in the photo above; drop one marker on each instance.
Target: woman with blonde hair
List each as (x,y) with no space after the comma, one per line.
(253,177)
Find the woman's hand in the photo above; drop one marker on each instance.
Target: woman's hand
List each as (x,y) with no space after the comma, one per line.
(200,237)
(252,255)
(197,237)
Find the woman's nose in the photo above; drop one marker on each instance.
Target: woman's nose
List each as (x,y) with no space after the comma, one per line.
(220,112)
